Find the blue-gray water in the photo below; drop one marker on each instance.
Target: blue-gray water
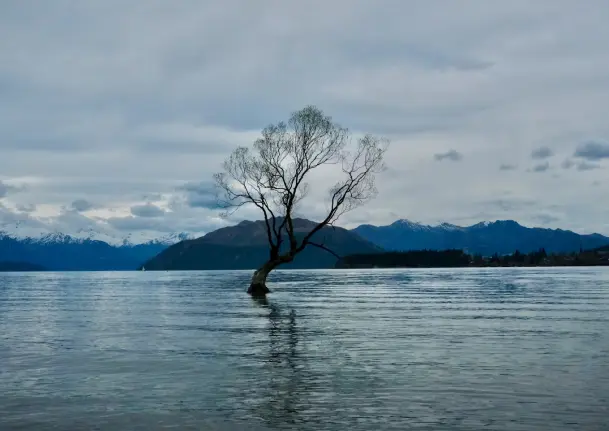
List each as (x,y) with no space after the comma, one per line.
(497,349)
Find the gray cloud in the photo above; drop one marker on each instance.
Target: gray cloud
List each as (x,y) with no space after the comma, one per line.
(81,205)
(507,167)
(509,203)
(172,222)
(542,167)
(152,197)
(26,208)
(592,151)
(546,219)
(585,166)
(85,114)
(542,153)
(147,210)
(187,138)
(581,165)
(17,221)
(568,164)
(131,223)
(70,220)
(452,155)
(3,190)
(200,195)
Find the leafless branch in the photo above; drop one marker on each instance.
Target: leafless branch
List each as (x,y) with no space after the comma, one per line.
(273,176)
(323,247)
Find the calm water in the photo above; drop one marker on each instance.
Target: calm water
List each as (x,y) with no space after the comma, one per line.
(506,349)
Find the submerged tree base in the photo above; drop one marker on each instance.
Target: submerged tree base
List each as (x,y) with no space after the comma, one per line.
(258,289)
(258,285)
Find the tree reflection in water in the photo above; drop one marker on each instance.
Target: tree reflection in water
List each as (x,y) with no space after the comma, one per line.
(283,398)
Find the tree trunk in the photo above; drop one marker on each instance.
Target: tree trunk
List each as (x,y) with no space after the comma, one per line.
(258,284)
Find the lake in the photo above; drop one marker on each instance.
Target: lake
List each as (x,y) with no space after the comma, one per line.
(426,349)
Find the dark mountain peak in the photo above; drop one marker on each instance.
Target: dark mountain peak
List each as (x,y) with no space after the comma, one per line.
(507,223)
(245,246)
(246,223)
(248,232)
(297,221)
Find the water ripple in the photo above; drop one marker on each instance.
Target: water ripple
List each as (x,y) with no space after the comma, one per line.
(467,349)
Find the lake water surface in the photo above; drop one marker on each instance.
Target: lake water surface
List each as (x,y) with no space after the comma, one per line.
(464,349)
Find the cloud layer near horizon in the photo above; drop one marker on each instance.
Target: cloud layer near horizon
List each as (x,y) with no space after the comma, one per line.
(116,114)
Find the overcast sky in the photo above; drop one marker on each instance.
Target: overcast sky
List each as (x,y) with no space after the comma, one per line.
(115,114)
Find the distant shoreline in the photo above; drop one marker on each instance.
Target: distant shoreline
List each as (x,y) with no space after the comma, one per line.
(471,266)
(460,259)
(15,266)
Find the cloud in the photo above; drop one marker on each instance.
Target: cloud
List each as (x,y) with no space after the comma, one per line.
(546,219)
(137,223)
(188,220)
(147,210)
(509,203)
(189,138)
(452,155)
(26,208)
(542,167)
(126,117)
(542,153)
(580,165)
(592,151)
(584,166)
(81,205)
(3,190)
(200,194)
(507,167)
(568,164)
(14,221)
(70,221)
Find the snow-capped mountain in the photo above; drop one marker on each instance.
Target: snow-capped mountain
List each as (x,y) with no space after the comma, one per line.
(501,236)
(410,225)
(448,226)
(84,235)
(416,226)
(172,238)
(82,250)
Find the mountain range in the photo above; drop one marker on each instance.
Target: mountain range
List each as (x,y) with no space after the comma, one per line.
(60,252)
(486,238)
(244,246)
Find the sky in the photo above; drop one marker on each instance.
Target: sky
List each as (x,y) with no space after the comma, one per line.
(114,115)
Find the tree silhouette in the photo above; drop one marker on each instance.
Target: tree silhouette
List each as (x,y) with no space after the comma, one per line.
(273,178)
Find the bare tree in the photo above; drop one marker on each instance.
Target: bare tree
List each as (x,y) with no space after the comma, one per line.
(273,177)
